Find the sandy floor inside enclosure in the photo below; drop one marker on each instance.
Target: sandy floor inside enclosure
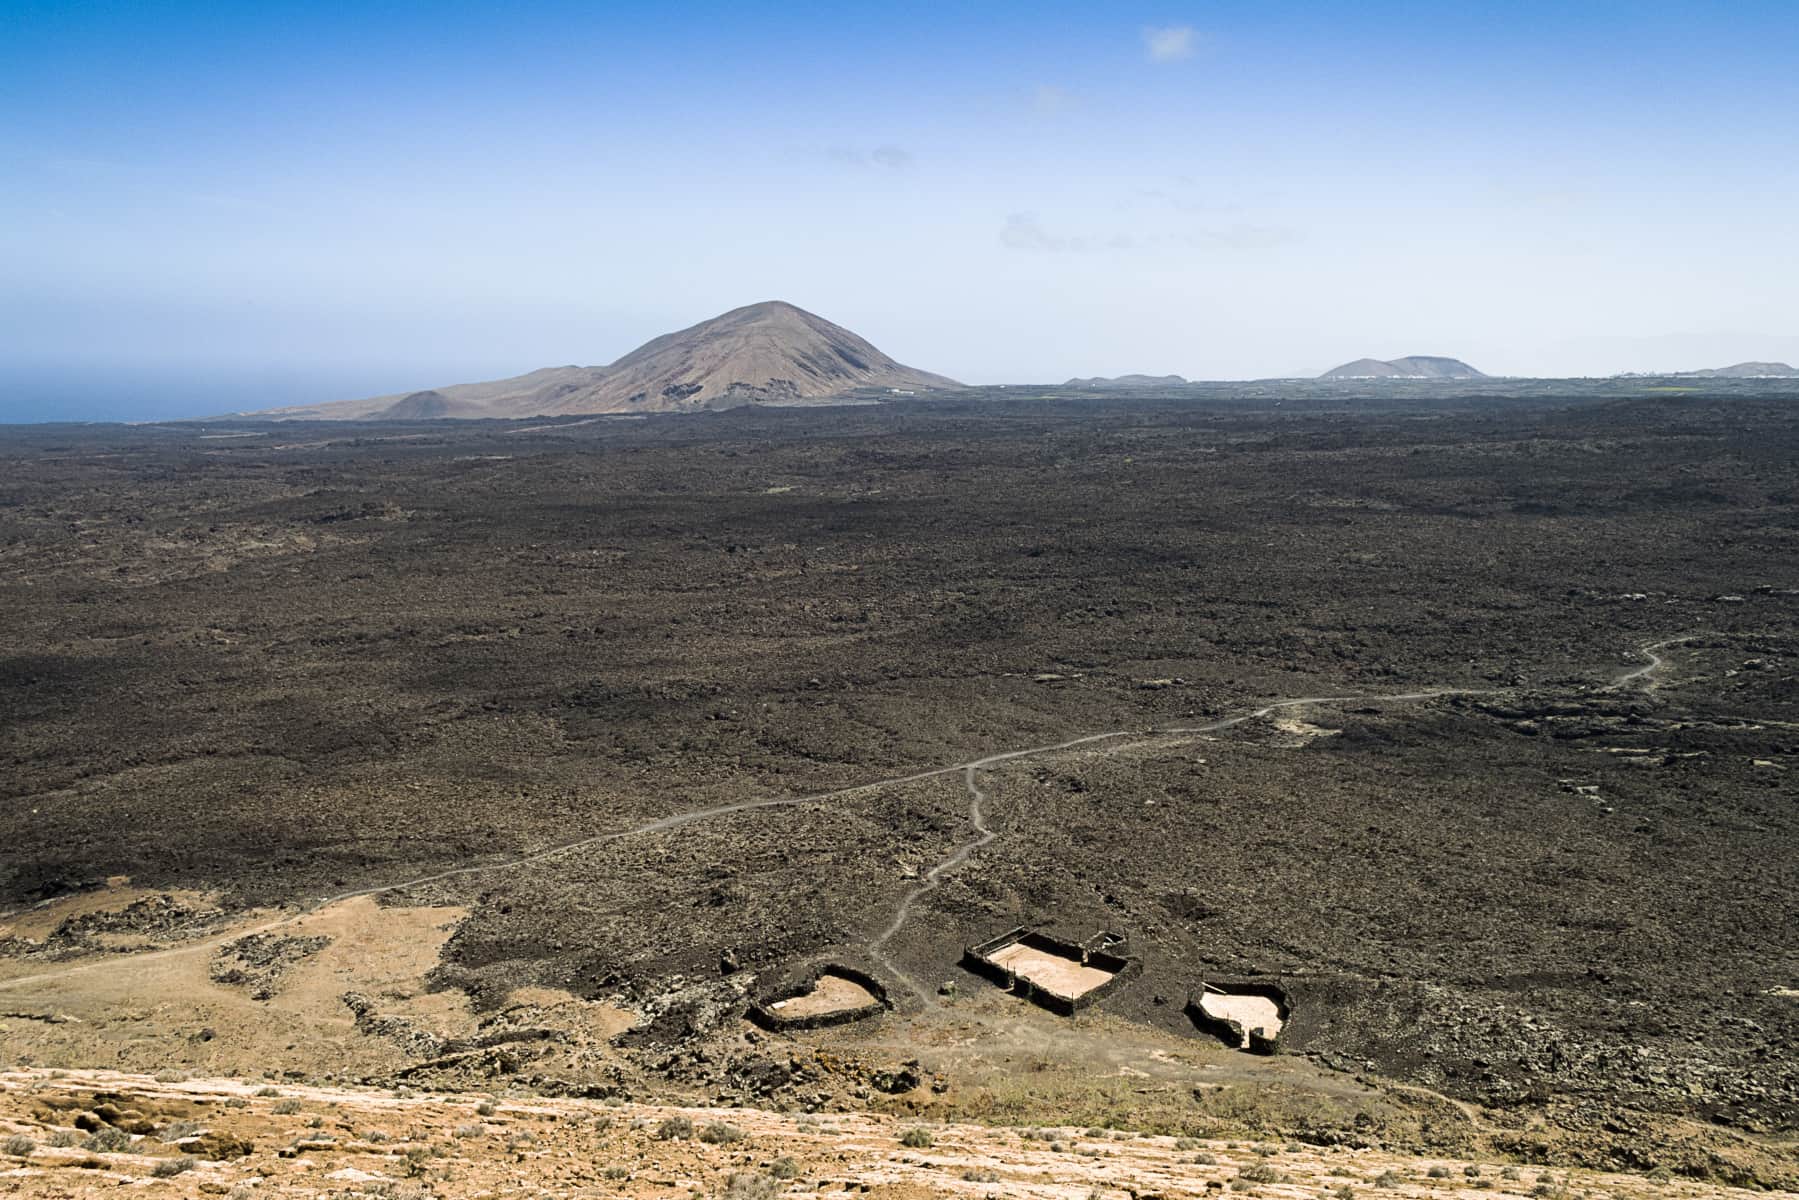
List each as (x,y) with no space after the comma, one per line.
(831,994)
(1063,976)
(1253,1013)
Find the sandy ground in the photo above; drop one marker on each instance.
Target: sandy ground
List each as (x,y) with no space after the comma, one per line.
(983,1056)
(1062,976)
(292,1141)
(166,1003)
(832,993)
(1251,1012)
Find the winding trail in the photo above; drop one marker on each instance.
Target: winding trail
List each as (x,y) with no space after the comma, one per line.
(933,878)
(1656,662)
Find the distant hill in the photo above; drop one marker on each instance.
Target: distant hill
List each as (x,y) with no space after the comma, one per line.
(1746,370)
(1121,383)
(1417,366)
(421,406)
(767,353)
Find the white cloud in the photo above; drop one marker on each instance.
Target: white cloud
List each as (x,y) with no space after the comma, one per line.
(893,158)
(1169,43)
(1023,232)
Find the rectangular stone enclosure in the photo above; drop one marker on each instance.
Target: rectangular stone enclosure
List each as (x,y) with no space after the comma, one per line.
(1059,975)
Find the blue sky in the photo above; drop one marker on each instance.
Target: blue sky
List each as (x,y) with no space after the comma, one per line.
(285,202)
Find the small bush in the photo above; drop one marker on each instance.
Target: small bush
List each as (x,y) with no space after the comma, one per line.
(471,1131)
(485,1108)
(1510,1173)
(1260,1173)
(237,1102)
(168,1168)
(178,1130)
(1186,1143)
(615,1173)
(18,1145)
(1438,1172)
(747,1185)
(1343,1192)
(785,1167)
(1388,1179)
(267,1092)
(718,1133)
(109,1140)
(65,1137)
(285,1108)
(674,1129)
(170,1077)
(980,1175)
(917,1138)
(1203,1159)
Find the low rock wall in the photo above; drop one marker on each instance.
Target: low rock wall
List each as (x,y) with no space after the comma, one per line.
(1232,1032)
(763,1012)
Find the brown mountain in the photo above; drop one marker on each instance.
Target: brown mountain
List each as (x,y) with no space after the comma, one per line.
(1416,366)
(769,353)
(1746,370)
(1126,383)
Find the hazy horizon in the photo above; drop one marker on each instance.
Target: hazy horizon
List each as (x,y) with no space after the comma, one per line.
(208,210)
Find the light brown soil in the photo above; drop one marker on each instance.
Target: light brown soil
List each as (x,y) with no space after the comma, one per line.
(343,1143)
(161,1008)
(831,994)
(1052,972)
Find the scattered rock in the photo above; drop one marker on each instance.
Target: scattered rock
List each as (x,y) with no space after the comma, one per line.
(259,960)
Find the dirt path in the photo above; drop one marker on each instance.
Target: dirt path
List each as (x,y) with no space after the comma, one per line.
(983,835)
(1656,662)
(933,878)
